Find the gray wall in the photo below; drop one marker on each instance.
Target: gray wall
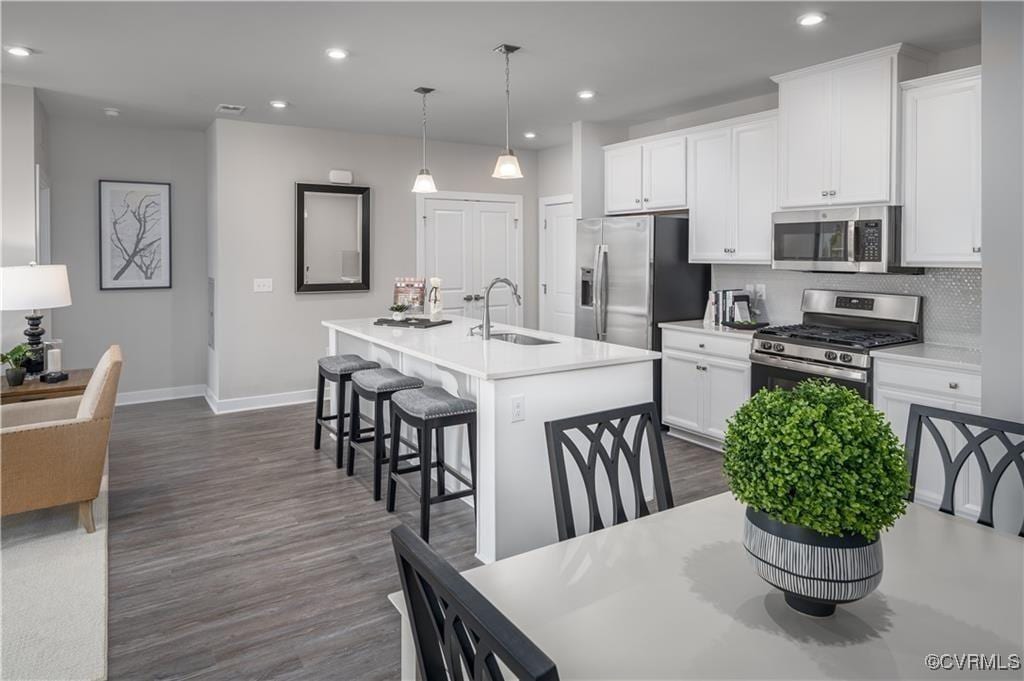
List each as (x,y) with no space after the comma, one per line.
(1002,179)
(162,332)
(554,171)
(267,343)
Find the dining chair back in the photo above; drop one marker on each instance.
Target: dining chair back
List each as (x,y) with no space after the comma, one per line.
(458,633)
(1007,444)
(614,444)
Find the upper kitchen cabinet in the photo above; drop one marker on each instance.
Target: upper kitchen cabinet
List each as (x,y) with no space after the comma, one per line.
(645,175)
(732,172)
(942,169)
(838,141)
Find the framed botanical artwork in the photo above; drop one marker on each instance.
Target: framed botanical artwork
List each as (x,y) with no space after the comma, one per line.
(135,235)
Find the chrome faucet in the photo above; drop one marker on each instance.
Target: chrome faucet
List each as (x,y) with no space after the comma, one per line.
(485,326)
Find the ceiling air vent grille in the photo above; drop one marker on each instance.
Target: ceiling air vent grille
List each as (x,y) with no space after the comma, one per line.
(230,109)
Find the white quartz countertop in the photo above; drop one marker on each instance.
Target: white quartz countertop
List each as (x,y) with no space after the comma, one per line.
(934,354)
(697,326)
(452,347)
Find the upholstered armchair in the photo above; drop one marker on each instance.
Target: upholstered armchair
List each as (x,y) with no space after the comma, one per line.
(52,452)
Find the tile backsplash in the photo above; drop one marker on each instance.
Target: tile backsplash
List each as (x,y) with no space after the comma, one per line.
(952,297)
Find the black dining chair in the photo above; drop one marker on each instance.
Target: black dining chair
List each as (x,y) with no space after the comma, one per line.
(458,633)
(988,429)
(609,442)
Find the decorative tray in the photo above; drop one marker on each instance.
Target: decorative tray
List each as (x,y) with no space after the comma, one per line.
(411,322)
(745,326)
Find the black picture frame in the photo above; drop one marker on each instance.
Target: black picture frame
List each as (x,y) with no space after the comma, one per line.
(104,279)
(300,241)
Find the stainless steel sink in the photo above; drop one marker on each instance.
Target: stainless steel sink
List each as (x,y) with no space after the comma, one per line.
(520,339)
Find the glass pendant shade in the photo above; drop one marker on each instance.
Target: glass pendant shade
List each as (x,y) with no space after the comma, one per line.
(424,183)
(507,167)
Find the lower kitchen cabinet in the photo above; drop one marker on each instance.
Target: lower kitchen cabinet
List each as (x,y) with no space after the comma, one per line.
(700,392)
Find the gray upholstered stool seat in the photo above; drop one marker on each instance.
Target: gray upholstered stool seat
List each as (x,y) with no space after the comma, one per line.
(385,380)
(432,403)
(345,364)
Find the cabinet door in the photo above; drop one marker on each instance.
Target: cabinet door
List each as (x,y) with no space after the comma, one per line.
(622,171)
(861,127)
(804,142)
(755,168)
(727,386)
(711,195)
(681,390)
(664,174)
(942,174)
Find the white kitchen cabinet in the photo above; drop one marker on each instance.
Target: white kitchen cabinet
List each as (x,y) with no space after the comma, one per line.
(645,175)
(623,172)
(732,190)
(838,140)
(942,170)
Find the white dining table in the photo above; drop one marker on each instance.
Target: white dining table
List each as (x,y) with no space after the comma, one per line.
(674,596)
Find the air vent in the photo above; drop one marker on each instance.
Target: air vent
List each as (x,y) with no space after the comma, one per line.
(230,109)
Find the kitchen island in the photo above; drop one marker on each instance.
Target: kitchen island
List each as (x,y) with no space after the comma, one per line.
(517,389)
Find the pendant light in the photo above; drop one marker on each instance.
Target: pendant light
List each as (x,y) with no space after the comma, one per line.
(424,183)
(507,167)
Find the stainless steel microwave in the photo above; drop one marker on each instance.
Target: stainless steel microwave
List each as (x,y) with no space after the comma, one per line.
(844,239)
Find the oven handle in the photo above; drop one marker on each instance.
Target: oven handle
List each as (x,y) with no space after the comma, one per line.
(808,368)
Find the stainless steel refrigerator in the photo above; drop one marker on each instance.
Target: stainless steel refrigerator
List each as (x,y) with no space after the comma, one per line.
(632,273)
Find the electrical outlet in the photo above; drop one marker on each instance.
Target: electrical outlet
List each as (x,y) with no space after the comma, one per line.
(518,408)
(262,285)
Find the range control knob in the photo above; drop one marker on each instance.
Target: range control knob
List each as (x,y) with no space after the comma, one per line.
(779,347)
(846,357)
(766,345)
(830,355)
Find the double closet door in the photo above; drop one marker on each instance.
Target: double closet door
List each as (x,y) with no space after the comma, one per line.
(467,243)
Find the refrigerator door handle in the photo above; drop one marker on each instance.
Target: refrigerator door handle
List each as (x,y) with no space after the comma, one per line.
(601,290)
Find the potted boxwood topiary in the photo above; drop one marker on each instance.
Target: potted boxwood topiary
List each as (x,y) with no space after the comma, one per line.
(398,311)
(821,473)
(15,359)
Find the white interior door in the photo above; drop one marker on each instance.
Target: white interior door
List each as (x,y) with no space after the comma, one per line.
(558,283)
(448,246)
(497,255)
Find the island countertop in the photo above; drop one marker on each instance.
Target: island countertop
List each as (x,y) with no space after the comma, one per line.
(452,347)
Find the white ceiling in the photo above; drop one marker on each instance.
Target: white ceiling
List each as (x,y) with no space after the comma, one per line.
(172,63)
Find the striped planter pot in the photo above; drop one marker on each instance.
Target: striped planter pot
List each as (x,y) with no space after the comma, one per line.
(814,571)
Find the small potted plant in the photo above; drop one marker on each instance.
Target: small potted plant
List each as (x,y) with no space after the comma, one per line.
(821,473)
(398,311)
(15,358)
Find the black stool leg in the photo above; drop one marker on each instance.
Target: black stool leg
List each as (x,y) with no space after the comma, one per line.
(440,462)
(393,461)
(425,458)
(471,433)
(354,424)
(319,409)
(378,444)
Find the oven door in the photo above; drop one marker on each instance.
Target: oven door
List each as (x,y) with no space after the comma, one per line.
(778,372)
(802,242)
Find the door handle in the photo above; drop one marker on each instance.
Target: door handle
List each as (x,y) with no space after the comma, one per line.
(600,290)
(477,296)
(468,297)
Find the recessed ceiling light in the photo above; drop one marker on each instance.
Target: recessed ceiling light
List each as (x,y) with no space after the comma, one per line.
(529,135)
(278,103)
(112,112)
(586,94)
(20,51)
(337,53)
(811,19)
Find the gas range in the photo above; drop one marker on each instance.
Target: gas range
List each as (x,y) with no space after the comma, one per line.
(839,330)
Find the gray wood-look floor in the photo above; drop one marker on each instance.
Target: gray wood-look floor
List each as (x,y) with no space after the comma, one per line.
(239,552)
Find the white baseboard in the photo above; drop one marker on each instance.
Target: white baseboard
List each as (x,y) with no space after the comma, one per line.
(227,406)
(160,394)
(695,438)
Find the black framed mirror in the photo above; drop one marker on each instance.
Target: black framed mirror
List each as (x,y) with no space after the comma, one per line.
(332,238)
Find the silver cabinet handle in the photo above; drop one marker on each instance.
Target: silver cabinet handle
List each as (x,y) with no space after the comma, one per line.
(637,200)
(954,386)
(700,345)
(976,249)
(824,193)
(646,200)
(832,192)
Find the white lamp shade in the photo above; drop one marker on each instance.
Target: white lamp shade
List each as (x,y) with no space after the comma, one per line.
(424,183)
(34,287)
(507,167)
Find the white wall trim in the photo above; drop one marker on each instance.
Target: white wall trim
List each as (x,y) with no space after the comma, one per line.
(228,406)
(542,255)
(160,394)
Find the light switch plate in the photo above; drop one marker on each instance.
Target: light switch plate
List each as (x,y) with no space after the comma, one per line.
(518,408)
(262,285)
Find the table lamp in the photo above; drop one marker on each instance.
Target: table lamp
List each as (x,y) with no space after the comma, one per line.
(34,287)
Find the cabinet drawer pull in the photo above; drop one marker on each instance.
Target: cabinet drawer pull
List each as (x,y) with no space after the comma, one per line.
(954,385)
(832,192)
(976,249)
(700,345)
(824,193)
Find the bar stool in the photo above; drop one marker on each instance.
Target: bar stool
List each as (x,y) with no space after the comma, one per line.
(337,369)
(377,386)
(430,410)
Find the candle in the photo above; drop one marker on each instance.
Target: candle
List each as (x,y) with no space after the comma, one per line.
(53,360)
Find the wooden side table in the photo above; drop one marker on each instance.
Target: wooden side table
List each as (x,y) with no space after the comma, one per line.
(34,389)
